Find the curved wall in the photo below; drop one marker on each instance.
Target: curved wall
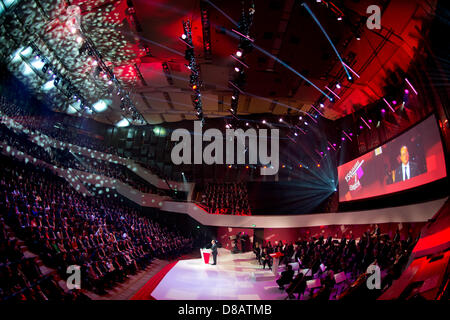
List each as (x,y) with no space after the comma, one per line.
(412,213)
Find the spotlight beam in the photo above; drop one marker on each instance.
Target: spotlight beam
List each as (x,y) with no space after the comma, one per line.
(389,105)
(241,62)
(317,110)
(353,71)
(312,118)
(411,86)
(333,92)
(237,88)
(268,54)
(222,12)
(347,135)
(328,38)
(242,35)
(366,123)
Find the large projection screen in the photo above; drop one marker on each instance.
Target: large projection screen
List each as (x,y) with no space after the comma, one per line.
(412,159)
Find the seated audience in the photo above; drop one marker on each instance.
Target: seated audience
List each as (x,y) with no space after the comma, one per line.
(106,238)
(226,198)
(326,257)
(286,277)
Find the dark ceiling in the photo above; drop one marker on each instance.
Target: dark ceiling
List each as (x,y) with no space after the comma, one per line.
(286,39)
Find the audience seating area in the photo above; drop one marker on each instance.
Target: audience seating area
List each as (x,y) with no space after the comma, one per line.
(65,159)
(225,198)
(53,126)
(106,238)
(20,277)
(331,269)
(118,172)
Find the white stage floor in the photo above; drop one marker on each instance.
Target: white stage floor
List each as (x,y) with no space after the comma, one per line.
(236,276)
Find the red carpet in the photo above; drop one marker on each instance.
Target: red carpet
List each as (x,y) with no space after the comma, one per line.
(145,292)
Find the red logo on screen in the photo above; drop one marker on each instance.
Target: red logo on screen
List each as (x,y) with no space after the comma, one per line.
(353,176)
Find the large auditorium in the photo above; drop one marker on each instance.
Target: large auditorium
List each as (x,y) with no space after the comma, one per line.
(230,158)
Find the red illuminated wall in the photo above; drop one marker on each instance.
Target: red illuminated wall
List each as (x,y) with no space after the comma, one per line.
(294,234)
(336,231)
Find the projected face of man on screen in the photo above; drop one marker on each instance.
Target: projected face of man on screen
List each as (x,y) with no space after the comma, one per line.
(407,169)
(413,159)
(404,155)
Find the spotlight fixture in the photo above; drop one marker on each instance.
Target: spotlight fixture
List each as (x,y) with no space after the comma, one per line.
(264,121)
(338,86)
(193,66)
(321,105)
(206,28)
(280,120)
(238,79)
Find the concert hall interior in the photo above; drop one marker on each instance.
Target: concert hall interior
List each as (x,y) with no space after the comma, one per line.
(224,150)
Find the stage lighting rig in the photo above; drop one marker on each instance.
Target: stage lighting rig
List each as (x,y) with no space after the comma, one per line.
(206,28)
(194,78)
(88,46)
(59,81)
(245,46)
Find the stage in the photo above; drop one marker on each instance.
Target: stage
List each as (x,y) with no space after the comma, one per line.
(236,276)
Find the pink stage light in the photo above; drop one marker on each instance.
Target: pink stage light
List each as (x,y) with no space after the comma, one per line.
(353,71)
(410,85)
(366,123)
(392,109)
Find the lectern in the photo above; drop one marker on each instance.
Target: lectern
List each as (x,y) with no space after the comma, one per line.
(276,261)
(206,253)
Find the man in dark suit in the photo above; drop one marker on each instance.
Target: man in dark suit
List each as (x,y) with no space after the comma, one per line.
(286,277)
(214,251)
(407,169)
